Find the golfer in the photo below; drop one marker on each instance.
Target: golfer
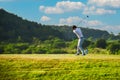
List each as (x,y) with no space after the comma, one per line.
(80,36)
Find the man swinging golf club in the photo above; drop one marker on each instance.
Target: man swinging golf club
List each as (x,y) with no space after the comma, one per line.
(80,36)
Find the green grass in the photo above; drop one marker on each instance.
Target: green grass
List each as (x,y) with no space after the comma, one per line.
(59,67)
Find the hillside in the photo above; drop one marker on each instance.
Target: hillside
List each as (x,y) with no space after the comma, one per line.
(14,28)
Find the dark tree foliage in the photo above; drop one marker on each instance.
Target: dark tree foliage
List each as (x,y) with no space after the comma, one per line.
(86,43)
(14,28)
(101,43)
(114,48)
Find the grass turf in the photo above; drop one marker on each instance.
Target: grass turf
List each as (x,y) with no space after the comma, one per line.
(59,67)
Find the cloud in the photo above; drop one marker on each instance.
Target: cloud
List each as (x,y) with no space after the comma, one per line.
(94,23)
(97,11)
(104,3)
(62,7)
(70,20)
(51,10)
(75,20)
(101,7)
(41,7)
(69,6)
(45,18)
(92,9)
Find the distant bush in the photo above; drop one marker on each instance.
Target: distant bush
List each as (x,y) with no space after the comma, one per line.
(73,44)
(114,48)
(1,49)
(56,51)
(58,45)
(86,43)
(101,43)
(15,48)
(98,51)
(27,51)
(39,51)
(22,46)
(10,49)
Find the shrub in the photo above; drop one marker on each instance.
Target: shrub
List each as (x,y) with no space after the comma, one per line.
(56,51)
(86,43)
(1,49)
(101,43)
(39,51)
(22,46)
(114,48)
(98,51)
(10,48)
(58,45)
(27,51)
(73,44)
(15,47)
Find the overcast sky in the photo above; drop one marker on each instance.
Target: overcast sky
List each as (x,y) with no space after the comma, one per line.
(103,14)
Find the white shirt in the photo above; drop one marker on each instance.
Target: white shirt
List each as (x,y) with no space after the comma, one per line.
(78,32)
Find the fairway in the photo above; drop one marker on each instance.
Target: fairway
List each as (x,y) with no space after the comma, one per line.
(59,67)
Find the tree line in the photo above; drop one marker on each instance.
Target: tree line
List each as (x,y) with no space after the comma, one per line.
(18,35)
(59,46)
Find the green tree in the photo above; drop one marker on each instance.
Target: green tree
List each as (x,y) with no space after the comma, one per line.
(86,43)
(101,43)
(58,43)
(114,48)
